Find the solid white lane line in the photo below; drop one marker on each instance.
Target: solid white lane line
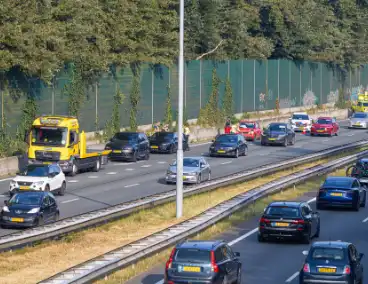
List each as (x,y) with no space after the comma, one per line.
(93,177)
(5,179)
(365,220)
(225,163)
(72,181)
(131,185)
(111,173)
(160,282)
(146,166)
(71,200)
(292,277)
(352,134)
(311,200)
(122,164)
(129,169)
(199,144)
(325,140)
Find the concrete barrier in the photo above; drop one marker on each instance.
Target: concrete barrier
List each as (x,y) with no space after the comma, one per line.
(9,166)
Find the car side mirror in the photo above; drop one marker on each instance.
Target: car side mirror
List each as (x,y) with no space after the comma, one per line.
(264,209)
(237,254)
(305,252)
(6,202)
(202,166)
(361,256)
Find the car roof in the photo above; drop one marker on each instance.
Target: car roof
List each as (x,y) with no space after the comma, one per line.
(196,158)
(278,123)
(331,244)
(325,117)
(249,121)
(200,244)
(39,192)
(351,179)
(303,113)
(365,160)
(228,134)
(129,132)
(286,203)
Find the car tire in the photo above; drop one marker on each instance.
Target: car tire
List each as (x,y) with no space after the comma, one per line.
(312,134)
(285,144)
(47,188)
(245,151)
(225,281)
(147,156)
(57,217)
(134,158)
(318,229)
(40,221)
(209,176)
(74,170)
(199,179)
(62,189)
(238,278)
(97,166)
(364,201)
(337,133)
(356,206)
(306,239)
(263,143)
(171,149)
(260,238)
(293,141)
(236,154)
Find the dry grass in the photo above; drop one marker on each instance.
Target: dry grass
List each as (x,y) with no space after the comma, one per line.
(242,215)
(30,265)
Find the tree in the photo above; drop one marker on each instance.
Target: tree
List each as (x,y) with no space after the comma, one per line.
(134,101)
(113,125)
(75,91)
(168,118)
(228,103)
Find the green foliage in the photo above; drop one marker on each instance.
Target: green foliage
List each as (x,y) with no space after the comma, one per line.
(277,106)
(228,102)
(76,91)
(341,102)
(29,113)
(168,118)
(134,98)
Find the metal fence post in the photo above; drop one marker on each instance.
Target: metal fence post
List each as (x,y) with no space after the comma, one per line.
(330,81)
(152,91)
(185,84)
(359,75)
(242,86)
(200,84)
(96,109)
(53,97)
(300,85)
(290,81)
(321,90)
(254,84)
(228,69)
(350,80)
(278,80)
(311,79)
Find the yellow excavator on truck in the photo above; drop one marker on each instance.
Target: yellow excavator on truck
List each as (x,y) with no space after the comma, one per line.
(58,139)
(361,104)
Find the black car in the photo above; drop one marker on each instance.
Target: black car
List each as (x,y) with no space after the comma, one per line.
(332,262)
(203,262)
(167,142)
(131,146)
(230,145)
(289,220)
(341,192)
(278,134)
(29,209)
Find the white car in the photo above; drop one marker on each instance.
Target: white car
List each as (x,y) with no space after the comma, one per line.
(40,177)
(359,120)
(300,121)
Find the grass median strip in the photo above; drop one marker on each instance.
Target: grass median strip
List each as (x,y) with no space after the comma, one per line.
(213,232)
(33,264)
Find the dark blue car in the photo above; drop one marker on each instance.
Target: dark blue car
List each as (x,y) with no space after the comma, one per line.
(341,192)
(229,145)
(332,262)
(203,262)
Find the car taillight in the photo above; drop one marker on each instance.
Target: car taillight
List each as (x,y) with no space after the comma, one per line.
(169,262)
(306,268)
(213,262)
(347,269)
(299,222)
(264,221)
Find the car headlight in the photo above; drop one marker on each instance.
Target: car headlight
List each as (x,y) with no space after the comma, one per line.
(38,183)
(6,209)
(170,173)
(191,174)
(33,211)
(107,148)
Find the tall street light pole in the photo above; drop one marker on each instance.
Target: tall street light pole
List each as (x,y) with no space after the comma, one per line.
(179,157)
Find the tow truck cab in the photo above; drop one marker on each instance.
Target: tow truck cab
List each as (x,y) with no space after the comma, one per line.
(57,139)
(362,103)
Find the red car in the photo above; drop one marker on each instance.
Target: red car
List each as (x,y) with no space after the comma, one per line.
(325,126)
(250,130)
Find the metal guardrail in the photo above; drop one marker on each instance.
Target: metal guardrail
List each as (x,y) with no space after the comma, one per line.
(93,218)
(119,258)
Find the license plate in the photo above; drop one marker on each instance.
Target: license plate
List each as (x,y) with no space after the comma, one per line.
(272,139)
(326,270)
(301,128)
(154,147)
(191,269)
(320,130)
(47,163)
(184,178)
(17,220)
(280,224)
(221,151)
(24,187)
(336,194)
(117,151)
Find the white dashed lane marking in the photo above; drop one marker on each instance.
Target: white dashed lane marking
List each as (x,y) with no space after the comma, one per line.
(131,185)
(145,166)
(161,162)
(365,220)
(93,177)
(111,173)
(71,200)
(225,163)
(129,169)
(72,181)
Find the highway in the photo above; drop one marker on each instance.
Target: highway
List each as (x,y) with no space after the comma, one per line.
(120,182)
(280,262)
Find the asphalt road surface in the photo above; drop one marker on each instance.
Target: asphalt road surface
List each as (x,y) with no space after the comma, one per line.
(120,182)
(280,262)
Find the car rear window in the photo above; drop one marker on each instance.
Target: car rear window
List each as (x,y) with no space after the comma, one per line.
(337,183)
(328,253)
(283,211)
(197,255)
(300,117)
(246,125)
(324,121)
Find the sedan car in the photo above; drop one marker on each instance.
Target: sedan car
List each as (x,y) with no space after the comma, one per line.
(195,170)
(332,262)
(166,142)
(207,262)
(279,134)
(341,192)
(300,121)
(250,130)
(325,126)
(129,146)
(289,220)
(359,120)
(39,177)
(229,145)
(29,209)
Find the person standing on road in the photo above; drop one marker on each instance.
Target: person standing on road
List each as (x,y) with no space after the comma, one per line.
(227,126)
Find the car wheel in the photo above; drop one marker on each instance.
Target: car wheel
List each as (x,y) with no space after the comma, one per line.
(357,206)
(225,281)
(364,201)
(238,278)
(47,188)
(62,189)
(306,239)
(336,134)
(236,153)
(209,176)
(318,229)
(260,238)
(199,179)
(74,170)
(57,217)
(171,149)
(285,143)
(147,156)
(97,165)
(245,151)
(134,158)
(40,221)
(263,143)
(312,134)
(293,141)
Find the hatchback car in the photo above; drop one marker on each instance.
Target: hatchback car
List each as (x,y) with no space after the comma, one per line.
(289,220)
(29,209)
(332,262)
(359,120)
(195,170)
(279,134)
(250,130)
(325,126)
(39,177)
(203,262)
(167,142)
(341,192)
(229,145)
(131,146)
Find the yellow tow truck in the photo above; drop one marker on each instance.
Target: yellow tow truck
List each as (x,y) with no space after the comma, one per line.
(57,139)
(362,103)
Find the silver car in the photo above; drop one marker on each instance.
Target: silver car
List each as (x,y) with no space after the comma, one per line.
(359,120)
(195,170)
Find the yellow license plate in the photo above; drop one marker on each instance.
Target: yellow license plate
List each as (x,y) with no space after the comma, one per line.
(117,151)
(336,194)
(18,220)
(221,151)
(301,128)
(272,139)
(184,178)
(23,187)
(326,270)
(279,224)
(320,131)
(191,269)
(154,147)
(47,163)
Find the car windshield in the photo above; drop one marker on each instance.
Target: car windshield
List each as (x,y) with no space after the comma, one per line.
(300,117)
(53,136)
(324,121)
(277,127)
(344,183)
(359,115)
(130,137)
(247,125)
(328,253)
(227,139)
(283,211)
(26,199)
(36,171)
(189,162)
(162,136)
(192,255)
